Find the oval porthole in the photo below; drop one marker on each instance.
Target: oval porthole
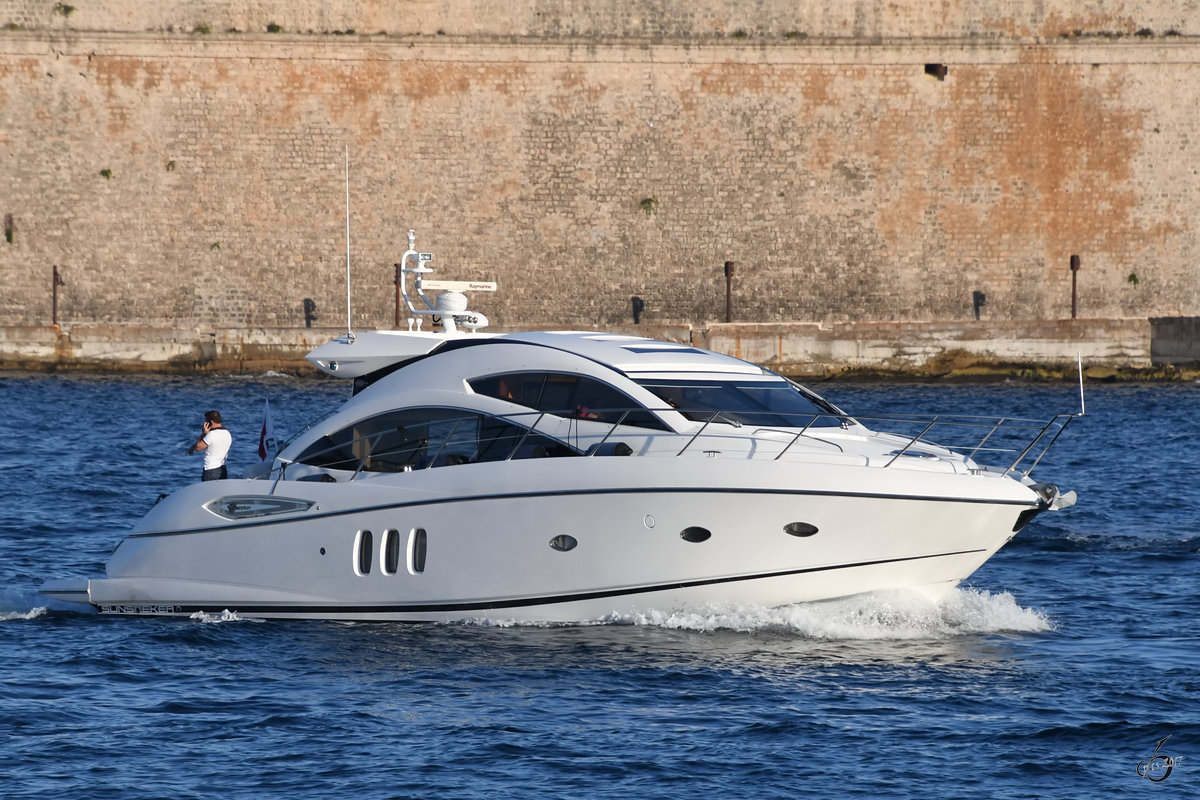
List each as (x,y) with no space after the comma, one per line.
(800,529)
(416,550)
(564,542)
(695,534)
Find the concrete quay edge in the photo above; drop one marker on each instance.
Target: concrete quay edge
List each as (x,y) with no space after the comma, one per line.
(1110,349)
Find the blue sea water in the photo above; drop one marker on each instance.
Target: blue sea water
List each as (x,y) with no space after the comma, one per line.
(1056,670)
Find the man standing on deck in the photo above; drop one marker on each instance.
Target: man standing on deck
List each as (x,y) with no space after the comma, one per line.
(215,442)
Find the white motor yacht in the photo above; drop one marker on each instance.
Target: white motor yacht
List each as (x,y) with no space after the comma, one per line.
(574,476)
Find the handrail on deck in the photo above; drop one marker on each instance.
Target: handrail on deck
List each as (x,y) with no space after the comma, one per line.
(1036,437)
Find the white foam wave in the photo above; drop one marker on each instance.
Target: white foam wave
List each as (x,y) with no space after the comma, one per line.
(22,603)
(898,615)
(5,616)
(879,616)
(254,376)
(206,618)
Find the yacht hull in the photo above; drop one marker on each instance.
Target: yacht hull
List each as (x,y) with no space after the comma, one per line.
(703,534)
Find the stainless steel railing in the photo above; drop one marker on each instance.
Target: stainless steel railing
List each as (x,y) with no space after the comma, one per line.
(1008,443)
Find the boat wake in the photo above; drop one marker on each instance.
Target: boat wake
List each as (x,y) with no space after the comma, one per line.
(880,616)
(207,618)
(877,616)
(17,604)
(6,616)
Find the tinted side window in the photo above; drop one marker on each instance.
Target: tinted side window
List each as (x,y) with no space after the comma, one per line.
(388,442)
(772,403)
(524,387)
(424,437)
(567,395)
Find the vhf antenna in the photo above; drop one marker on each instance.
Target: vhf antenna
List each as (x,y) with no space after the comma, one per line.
(349,327)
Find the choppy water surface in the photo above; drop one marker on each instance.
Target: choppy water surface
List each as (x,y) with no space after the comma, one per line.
(1054,672)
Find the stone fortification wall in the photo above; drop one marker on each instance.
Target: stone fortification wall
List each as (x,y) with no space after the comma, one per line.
(182,166)
(606,19)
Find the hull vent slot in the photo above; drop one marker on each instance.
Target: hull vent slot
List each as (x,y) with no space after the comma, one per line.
(366,545)
(417,543)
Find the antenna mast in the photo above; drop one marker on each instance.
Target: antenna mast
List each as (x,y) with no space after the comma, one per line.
(349,327)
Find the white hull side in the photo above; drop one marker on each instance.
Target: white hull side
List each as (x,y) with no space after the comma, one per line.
(490,557)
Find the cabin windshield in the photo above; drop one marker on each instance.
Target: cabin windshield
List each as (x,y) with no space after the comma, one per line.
(776,403)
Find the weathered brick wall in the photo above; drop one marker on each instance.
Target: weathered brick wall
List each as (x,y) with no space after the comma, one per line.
(616,148)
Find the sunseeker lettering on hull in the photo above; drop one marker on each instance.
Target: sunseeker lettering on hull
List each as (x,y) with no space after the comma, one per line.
(144,609)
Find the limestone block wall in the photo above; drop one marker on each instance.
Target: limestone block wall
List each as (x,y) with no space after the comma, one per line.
(862,20)
(183,166)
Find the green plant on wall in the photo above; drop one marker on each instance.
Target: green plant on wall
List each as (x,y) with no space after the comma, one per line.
(649,206)
(106,173)
(1133,279)
(64,9)
(202,29)
(273,28)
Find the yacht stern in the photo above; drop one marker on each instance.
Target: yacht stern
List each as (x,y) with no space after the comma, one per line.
(70,590)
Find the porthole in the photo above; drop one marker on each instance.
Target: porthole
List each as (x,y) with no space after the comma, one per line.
(390,555)
(363,546)
(564,542)
(695,534)
(416,550)
(800,529)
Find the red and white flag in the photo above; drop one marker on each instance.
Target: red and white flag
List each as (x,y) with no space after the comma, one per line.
(266,439)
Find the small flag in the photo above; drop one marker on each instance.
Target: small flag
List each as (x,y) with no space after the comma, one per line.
(266,439)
